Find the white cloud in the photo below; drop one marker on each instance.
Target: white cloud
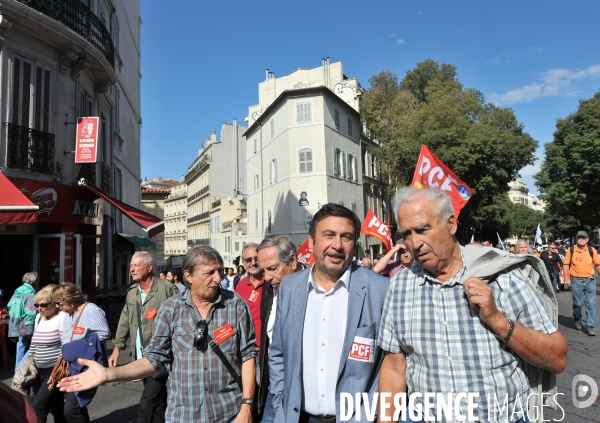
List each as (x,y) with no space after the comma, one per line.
(400,40)
(552,83)
(392,35)
(494,61)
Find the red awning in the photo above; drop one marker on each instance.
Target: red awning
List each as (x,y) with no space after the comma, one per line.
(152,224)
(15,208)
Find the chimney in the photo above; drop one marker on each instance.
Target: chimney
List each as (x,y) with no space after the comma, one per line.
(267,73)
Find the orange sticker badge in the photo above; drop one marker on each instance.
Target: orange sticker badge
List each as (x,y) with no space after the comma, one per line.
(78,330)
(151,314)
(223,333)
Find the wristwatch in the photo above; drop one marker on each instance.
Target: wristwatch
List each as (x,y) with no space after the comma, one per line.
(249,401)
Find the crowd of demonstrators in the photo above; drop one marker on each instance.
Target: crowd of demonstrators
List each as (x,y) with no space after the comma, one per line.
(579,263)
(201,386)
(84,331)
(22,316)
(294,331)
(321,313)
(472,317)
(46,347)
(144,298)
(250,287)
(277,257)
(162,274)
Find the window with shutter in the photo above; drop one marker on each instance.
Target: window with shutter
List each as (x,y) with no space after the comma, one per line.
(343,161)
(350,127)
(350,168)
(336,161)
(336,118)
(303,112)
(355,170)
(305,160)
(23,91)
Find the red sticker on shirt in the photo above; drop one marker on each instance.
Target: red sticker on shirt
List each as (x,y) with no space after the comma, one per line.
(223,333)
(254,296)
(151,314)
(78,330)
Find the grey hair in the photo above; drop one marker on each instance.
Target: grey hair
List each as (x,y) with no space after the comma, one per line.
(285,247)
(30,278)
(146,257)
(251,244)
(198,256)
(523,241)
(440,199)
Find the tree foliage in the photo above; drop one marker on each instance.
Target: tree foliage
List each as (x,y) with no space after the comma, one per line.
(569,178)
(483,144)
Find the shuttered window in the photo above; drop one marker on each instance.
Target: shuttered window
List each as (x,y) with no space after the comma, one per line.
(304,112)
(337,155)
(349,127)
(336,118)
(350,167)
(31,94)
(305,160)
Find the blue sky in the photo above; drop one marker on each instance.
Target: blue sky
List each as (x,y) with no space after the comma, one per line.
(202,61)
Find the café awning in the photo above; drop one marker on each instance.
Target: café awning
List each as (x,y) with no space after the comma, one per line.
(140,243)
(15,207)
(150,223)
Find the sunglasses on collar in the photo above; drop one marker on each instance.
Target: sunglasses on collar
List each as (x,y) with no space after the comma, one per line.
(200,342)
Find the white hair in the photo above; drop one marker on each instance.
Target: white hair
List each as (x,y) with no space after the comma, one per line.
(442,202)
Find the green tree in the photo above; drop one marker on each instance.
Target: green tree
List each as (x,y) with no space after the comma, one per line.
(569,178)
(524,221)
(483,144)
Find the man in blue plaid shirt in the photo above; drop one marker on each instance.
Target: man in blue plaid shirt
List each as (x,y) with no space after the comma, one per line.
(443,335)
(201,388)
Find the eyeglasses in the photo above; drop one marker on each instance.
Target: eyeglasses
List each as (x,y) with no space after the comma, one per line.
(251,259)
(42,305)
(200,336)
(58,303)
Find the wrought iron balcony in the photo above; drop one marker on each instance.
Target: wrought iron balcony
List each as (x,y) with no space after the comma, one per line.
(202,241)
(30,149)
(78,17)
(201,216)
(88,171)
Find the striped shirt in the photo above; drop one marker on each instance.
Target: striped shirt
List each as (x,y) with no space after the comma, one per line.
(93,320)
(448,349)
(201,389)
(46,343)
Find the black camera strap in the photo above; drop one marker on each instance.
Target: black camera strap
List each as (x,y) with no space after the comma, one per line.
(217,350)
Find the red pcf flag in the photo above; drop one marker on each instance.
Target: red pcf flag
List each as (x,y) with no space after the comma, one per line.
(86,144)
(432,173)
(372,226)
(305,254)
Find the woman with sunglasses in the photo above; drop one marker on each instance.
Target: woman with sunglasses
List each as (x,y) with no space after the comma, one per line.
(82,320)
(46,347)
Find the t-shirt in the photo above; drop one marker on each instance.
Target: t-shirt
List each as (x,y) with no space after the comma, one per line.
(551,260)
(581,264)
(46,340)
(252,295)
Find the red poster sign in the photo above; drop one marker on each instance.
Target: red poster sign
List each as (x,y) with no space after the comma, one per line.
(372,226)
(86,144)
(305,254)
(432,173)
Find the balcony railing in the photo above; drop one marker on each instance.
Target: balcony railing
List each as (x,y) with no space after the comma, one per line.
(201,216)
(203,241)
(198,194)
(216,204)
(78,17)
(203,161)
(30,149)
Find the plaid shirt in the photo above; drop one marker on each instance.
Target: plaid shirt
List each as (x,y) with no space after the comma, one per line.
(201,389)
(449,349)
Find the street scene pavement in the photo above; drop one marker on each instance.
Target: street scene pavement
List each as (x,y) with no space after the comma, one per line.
(117,402)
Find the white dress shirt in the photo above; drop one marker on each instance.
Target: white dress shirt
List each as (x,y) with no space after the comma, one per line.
(271,321)
(322,342)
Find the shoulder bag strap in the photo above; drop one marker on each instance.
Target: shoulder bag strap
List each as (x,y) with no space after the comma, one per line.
(138,312)
(77,321)
(215,347)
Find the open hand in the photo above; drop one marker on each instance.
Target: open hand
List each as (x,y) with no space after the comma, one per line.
(94,376)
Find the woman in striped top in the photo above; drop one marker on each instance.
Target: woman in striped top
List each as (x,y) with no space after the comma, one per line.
(46,345)
(90,319)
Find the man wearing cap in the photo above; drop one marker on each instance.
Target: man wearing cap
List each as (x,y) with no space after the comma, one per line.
(579,273)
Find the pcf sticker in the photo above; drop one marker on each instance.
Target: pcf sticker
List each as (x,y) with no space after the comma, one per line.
(363,349)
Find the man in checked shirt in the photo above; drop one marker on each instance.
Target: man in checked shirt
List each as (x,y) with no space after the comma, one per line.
(443,335)
(201,388)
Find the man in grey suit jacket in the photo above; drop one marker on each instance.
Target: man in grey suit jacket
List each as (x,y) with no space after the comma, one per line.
(326,326)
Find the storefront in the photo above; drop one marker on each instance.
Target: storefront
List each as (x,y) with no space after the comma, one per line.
(63,242)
